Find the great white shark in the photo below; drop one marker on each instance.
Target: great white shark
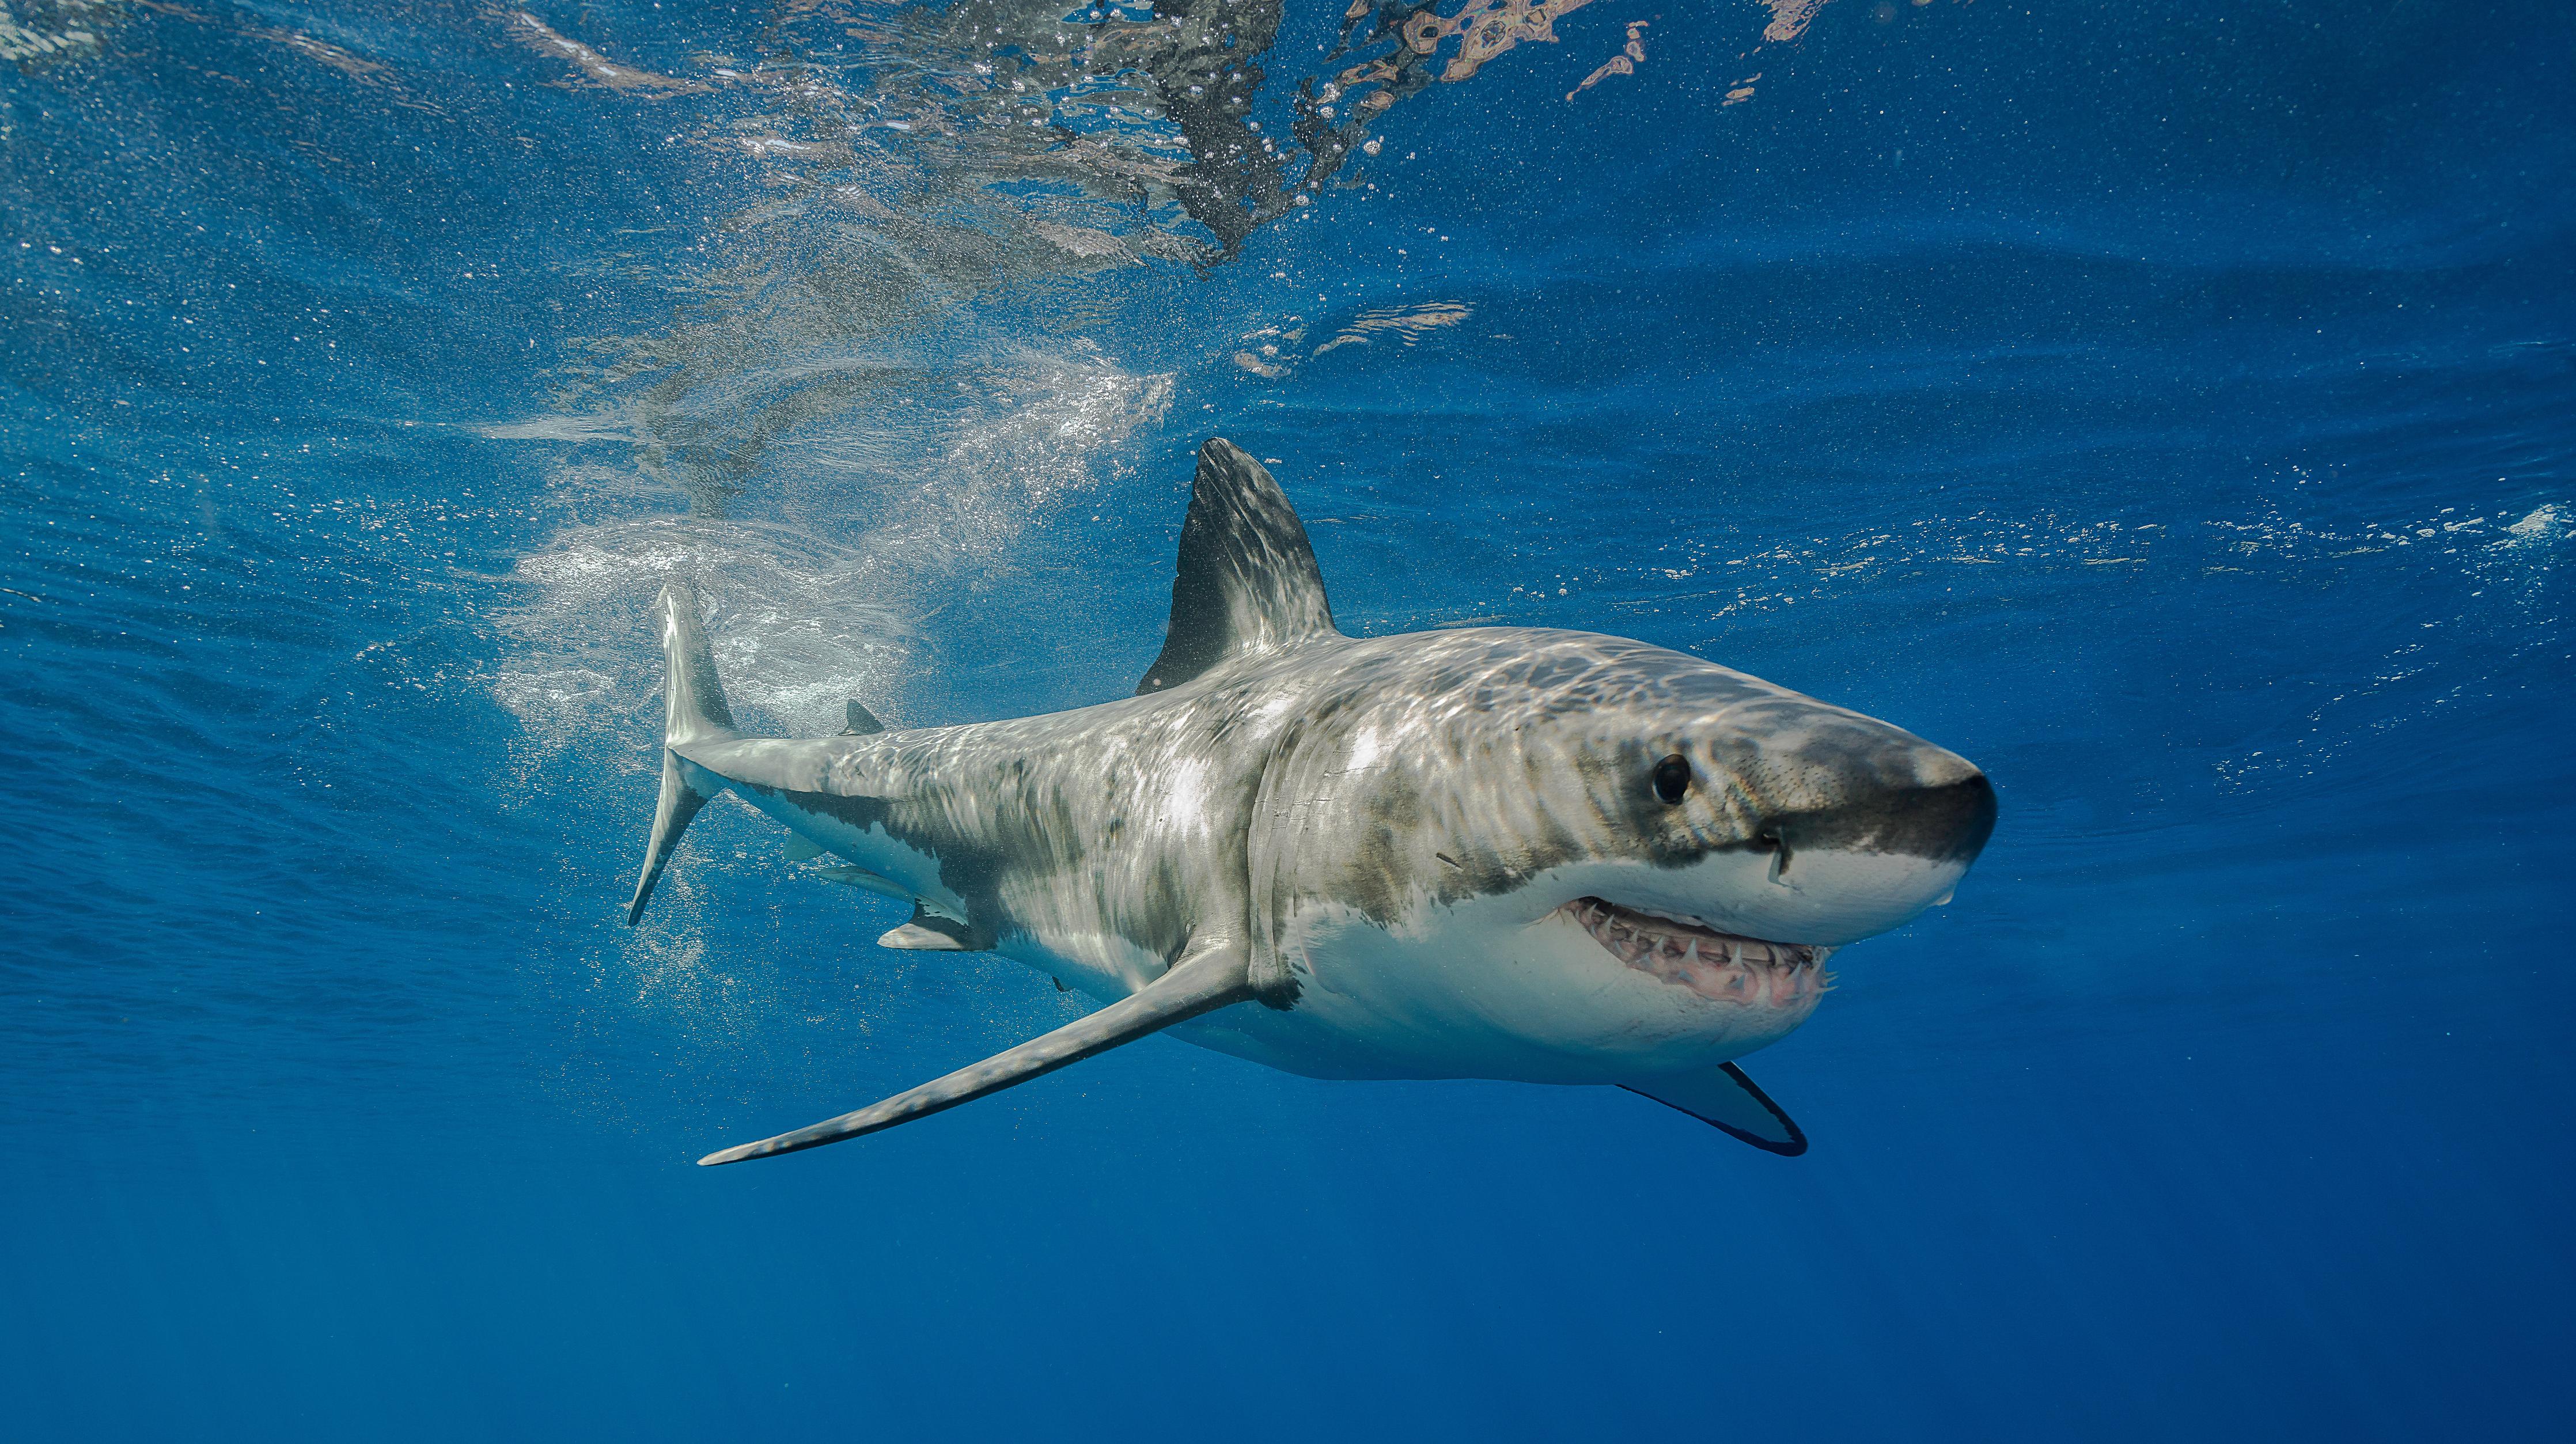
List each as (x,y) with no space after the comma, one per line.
(1493,852)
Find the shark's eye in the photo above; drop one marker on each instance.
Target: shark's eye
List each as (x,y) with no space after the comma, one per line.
(1672,779)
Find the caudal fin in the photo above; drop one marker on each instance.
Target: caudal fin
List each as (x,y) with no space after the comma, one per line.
(693,710)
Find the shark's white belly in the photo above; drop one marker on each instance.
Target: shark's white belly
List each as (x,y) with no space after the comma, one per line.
(1532,1002)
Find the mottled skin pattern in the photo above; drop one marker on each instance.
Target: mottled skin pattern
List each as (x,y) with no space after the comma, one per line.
(1382,842)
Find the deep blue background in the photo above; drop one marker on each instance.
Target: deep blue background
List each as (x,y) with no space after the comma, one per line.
(2172,408)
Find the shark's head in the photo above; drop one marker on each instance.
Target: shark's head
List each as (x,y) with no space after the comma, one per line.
(1617,856)
(1518,853)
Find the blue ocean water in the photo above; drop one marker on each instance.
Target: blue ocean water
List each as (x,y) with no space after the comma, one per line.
(2172,408)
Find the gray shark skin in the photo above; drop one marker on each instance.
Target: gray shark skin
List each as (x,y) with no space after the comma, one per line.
(1499,852)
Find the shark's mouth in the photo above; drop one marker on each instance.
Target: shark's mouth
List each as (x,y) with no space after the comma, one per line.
(1716,965)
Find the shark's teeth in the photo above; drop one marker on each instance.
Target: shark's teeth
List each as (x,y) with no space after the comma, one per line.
(1746,972)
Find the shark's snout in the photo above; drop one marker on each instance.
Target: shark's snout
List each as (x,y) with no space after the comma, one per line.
(1946,817)
(1854,826)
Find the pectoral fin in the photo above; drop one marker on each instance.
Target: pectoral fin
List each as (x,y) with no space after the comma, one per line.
(1204,980)
(1724,1098)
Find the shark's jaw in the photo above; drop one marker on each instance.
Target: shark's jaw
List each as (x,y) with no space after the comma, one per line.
(1719,966)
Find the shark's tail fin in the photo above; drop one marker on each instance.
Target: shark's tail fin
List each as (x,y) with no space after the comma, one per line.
(693,710)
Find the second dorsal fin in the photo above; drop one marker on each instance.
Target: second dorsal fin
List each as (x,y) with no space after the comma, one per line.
(1247,581)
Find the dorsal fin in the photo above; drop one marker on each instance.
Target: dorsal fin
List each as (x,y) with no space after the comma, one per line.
(1247,581)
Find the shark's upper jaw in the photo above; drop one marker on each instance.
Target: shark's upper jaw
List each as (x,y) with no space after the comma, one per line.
(1722,967)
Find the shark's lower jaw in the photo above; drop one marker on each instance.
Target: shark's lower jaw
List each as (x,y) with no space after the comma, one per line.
(1718,966)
